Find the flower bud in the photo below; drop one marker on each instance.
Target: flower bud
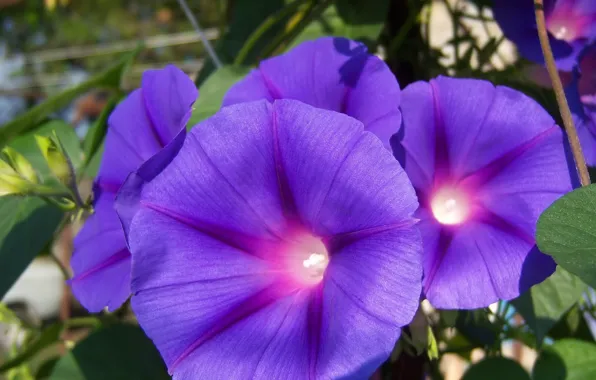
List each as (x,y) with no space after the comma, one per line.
(11,182)
(55,156)
(20,164)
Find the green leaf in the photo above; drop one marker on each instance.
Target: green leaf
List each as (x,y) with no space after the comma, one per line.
(48,337)
(363,19)
(567,359)
(433,348)
(45,368)
(245,17)
(567,232)
(92,166)
(544,304)
(448,317)
(460,345)
(572,325)
(109,78)
(476,327)
(496,369)
(360,20)
(26,226)
(119,352)
(212,91)
(95,136)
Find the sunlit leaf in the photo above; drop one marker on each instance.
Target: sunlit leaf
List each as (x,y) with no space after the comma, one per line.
(544,304)
(245,17)
(567,232)
(355,19)
(28,224)
(566,359)
(572,325)
(212,91)
(95,136)
(26,145)
(109,78)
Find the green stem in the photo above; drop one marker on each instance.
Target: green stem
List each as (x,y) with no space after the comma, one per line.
(551,66)
(455,22)
(265,26)
(398,40)
(83,322)
(61,205)
(313,10)
(63,270)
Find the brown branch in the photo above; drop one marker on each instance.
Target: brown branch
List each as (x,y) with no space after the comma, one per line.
(551,66)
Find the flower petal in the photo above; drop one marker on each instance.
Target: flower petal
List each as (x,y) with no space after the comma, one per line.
(139,127)
(260,343)
(370,191)
(507,158)
(415,146)
(331,73)
(165,285)
(216,291)
(127,200)
(580,93)
(467,273)
(337,174)
(530,183)
(372,288)
(184,283)
(585,125)
(148,119)
(232,186)
(469,132)
(517,20)
(129,141)
(101,261)
(169,94)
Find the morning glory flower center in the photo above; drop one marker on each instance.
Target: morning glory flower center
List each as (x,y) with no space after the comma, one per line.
(561,31)
(450,206)
(315,265)
(309,259)
(566,25)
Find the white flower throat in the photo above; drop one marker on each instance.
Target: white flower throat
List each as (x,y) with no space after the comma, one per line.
(450,206)
(315,264)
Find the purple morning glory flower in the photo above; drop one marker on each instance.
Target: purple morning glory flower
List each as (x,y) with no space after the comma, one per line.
(571,25)
(146,121)
(331,73)
(278,243)
(485,162)
(581,95)
(584,116)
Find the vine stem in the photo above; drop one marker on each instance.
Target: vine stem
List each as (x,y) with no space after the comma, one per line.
(195,24)
(60,265)
(553,73)
(264,27)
